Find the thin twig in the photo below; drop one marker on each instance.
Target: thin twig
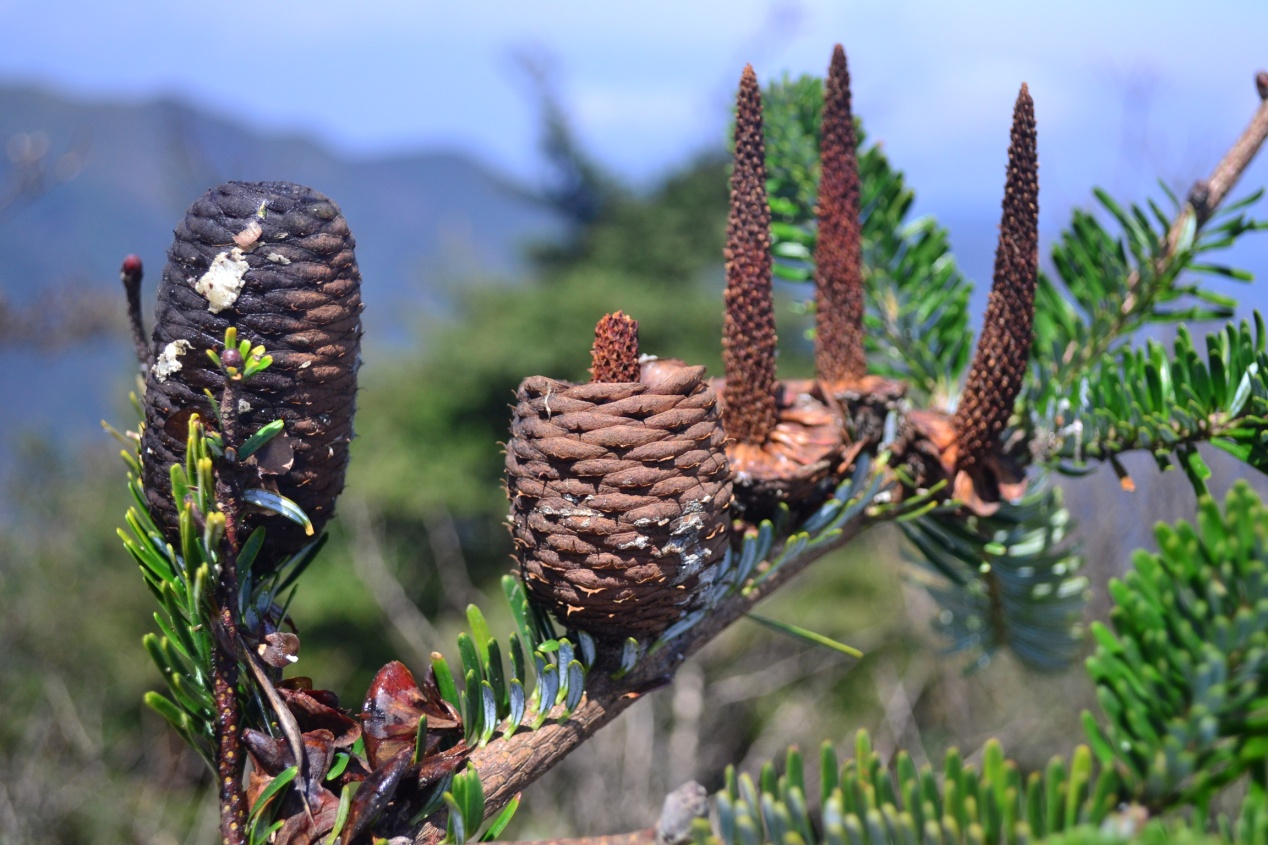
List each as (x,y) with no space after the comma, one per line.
(131,273)
(229,758)
(1206,195)
(412,627)
(451,564)
(1203,201)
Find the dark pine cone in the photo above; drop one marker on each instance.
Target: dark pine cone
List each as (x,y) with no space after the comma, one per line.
(619,497)
(275,260)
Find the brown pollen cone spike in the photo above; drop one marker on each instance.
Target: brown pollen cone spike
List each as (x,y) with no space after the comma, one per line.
(620,490)
(783,444)
(839,356)
(275,260)
(983,475)
(840,359)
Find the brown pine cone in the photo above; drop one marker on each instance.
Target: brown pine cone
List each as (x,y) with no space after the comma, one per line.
(619,498)
(275,260)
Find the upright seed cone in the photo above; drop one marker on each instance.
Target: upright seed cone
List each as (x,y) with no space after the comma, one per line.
(275,260)
(783,442)
(619,490)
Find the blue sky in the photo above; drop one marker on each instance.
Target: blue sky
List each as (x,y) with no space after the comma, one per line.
(1126,91)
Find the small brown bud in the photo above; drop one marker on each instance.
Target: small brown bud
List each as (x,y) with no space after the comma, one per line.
(231,358)
(615,351)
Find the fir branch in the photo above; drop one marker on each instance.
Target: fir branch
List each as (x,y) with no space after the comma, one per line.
(1167,405)
(508,764)
(1183,676)
(1010,580)
(1117,297)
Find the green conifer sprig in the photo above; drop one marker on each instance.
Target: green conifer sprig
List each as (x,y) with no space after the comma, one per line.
(863,801)
(1108,285)
(1011,580)
(181,579)
(1147,400)
(1183,675)
(541,671)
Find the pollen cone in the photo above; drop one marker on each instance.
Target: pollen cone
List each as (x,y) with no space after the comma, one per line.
(840,360)
(983,474)
(275,260)
(784,443)
(839,356)
(619,490)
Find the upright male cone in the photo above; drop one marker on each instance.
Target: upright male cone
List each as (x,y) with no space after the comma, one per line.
(275,260)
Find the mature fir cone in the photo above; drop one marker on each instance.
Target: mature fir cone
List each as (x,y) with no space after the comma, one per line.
(619,496)
(275,260)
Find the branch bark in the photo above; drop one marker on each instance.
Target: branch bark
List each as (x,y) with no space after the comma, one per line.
(507,766)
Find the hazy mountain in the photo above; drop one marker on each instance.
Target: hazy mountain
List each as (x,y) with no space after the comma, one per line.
(97,180)
(420,220)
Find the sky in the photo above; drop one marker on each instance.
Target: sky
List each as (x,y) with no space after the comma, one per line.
(1126,91)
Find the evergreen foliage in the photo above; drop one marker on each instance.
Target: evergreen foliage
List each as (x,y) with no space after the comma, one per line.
(1091,394)
(1181,678)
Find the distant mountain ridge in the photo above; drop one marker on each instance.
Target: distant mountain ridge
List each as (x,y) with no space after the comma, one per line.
(422,221)
(423,224)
